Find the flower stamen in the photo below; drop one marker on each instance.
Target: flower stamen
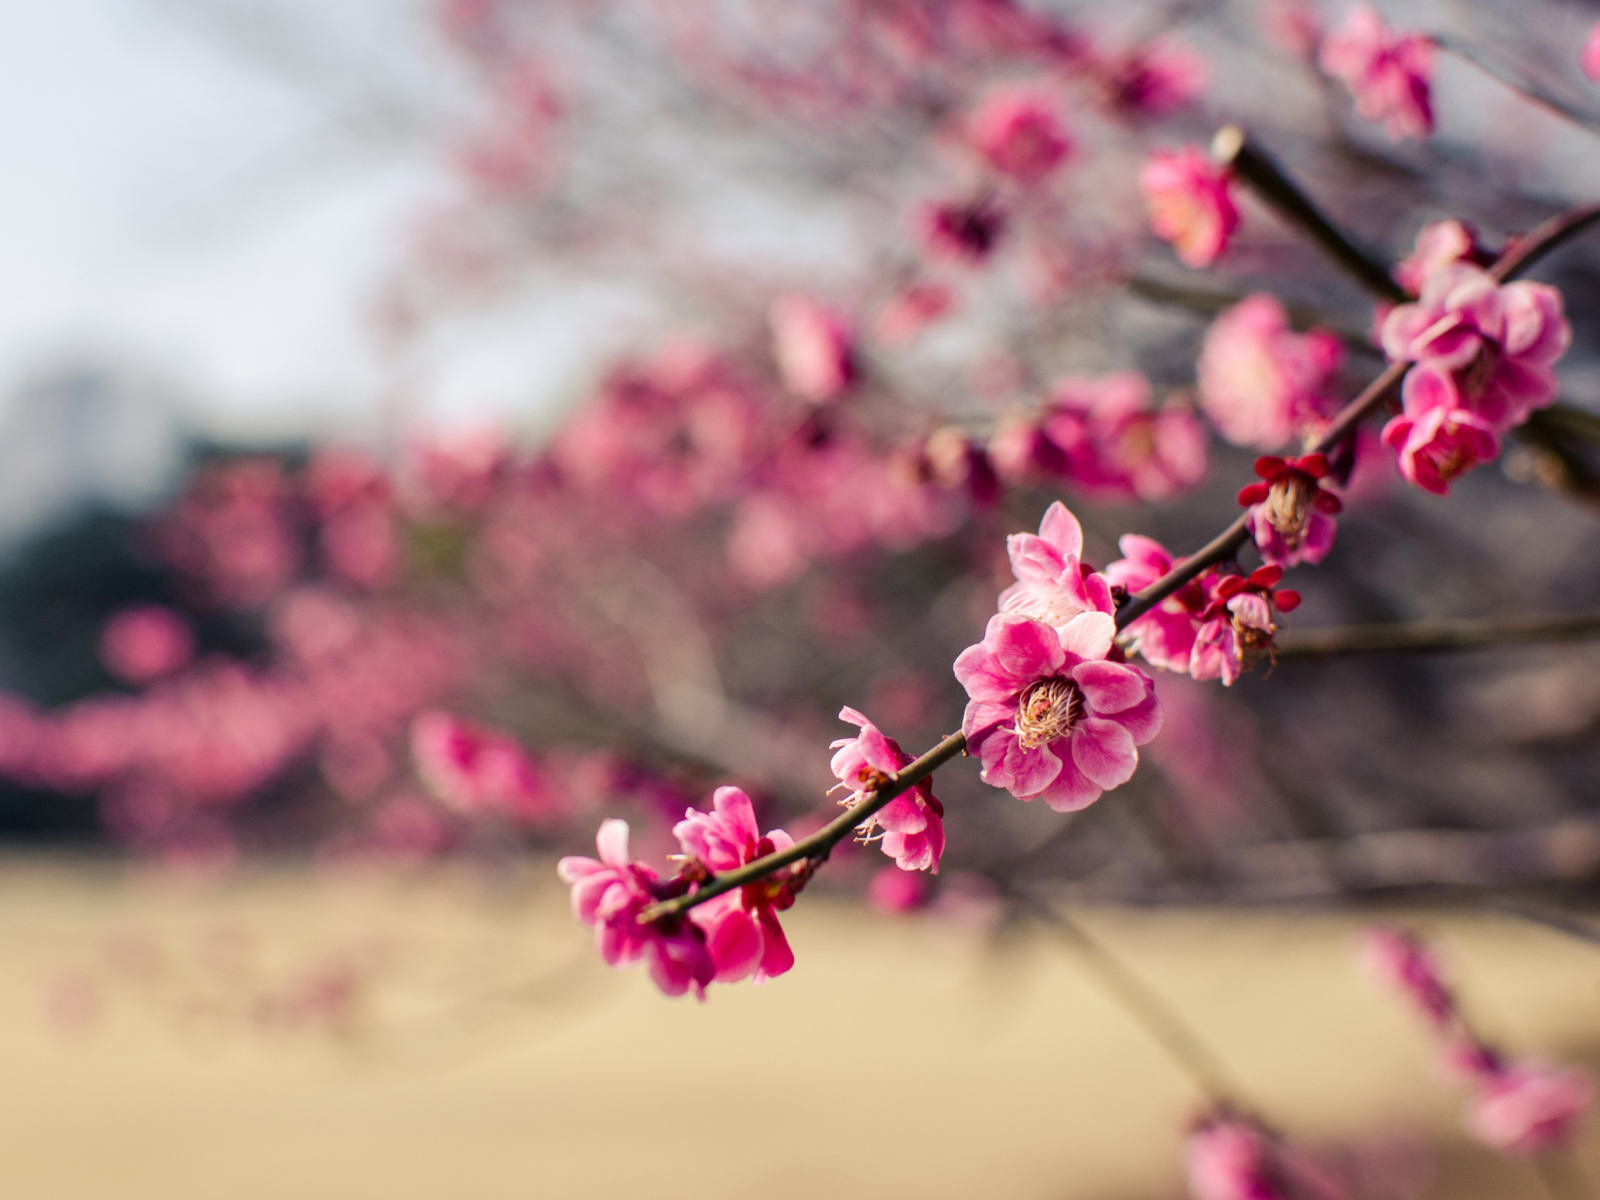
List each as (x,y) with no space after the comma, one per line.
(1048,710)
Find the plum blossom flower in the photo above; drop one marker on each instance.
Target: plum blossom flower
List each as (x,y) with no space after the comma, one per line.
(1529,1107)
(1053,585)
(142,644)
(813,347)
(1018,132)
(1114,445)
(476,771)
(911,310)
(895,892)
(1232,1157)
(1153,80)
(1497,341)
(964,232)
(609,893)
(1236,626)
(1260,382)
(1291,513)
(1164,636)
(912,824)
(1387,73)
(1440,244)
(1436,437)
(741,927)
(1188,200)
(1049,715)
(953,460)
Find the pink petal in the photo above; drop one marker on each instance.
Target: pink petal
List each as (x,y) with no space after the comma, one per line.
(1071,790)
(1022,772)
(1033,559)
(1061,529)
(1104,751)
(984,715)
(980,672)
(1143,720)
(1087,636)
(776,957)
(612,842)
(1024,648)
(1109,687)
(735,945)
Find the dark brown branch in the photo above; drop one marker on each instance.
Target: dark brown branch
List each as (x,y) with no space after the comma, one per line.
(1418,636)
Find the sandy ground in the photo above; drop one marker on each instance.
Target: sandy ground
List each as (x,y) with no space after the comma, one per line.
(152,1043)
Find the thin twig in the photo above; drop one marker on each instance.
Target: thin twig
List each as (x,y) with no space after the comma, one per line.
(820,843)
(1158,1018)
(1517,82)
(1437,635)
(1257,169)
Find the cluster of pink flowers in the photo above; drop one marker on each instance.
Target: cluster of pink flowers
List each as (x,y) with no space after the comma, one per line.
(1389,74)
(730,937)
(476,771)
(910,828)
(1052,712)
(1484,353)
(1214,627)
(1261,383)
(1105,438)
(1521,1106)
(1018,132)
(1230,1156)
(1190,204)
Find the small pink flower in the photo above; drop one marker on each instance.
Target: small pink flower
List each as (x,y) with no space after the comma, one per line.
(1163,637)
(1019,133)
(962,232)
(893,891)
(913,822)
(1188,200)
(954,461)
(611,892)
(910,311)
(1530,1107)
(1589,59)
(143,644)
(1498,341)
(1115,446)
(476,771)
(813,347)
(1388,74)
(1402,962)
(1260,382)
(1435,437)
(1236,626)
(1292,518)
(1049,715)
(741,927)
(1154,80)
(1052,583)
(1440,244)
(1231,1159)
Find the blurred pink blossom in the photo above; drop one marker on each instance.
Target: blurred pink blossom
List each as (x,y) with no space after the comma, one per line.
(1440,244)
(961,232)
(1589,57)
(1435,436)
(812,345)
(1154,80)
(143,644)
(1530,1107)
(1260,382)
(894,891)
(1387,73)
(1018,131)
(1402,962)
(1114,445)
(475,771)
(1188,200)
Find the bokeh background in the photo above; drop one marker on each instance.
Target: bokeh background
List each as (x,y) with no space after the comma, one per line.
(416,358)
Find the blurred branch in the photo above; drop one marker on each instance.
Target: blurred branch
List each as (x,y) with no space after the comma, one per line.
(1212,301)
(1517,82)
(1437,635)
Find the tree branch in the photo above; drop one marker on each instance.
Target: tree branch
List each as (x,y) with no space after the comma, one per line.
(1437,635)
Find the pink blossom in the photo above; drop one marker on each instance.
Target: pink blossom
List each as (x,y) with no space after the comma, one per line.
(142,644)
(1019,133)
(962,232)
(1435,437)
(1498,341)
(894,891)
(956,462)
(1402,962)
(1291,519)
(1293,26)
(610,893)
(1530,1107)
(1236,626)
(1154,80)
(1115,446)
(1231,1157)
(1589,59)
(1163,637)
(476,771)
(909,311)
(1049,714)
(912,823)
(813,348)
(1188,200)
(741,927)
(1440,244)
(1260,382)
(1053,585)
(1388,74)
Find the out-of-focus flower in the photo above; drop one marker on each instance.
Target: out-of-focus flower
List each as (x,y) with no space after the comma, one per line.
(1053,585)
(956,461)
(912,824)
(1387,73)
(1049,715)
(1529,1107)
(1260,382)
(1497,341)
(1116,446)
(1230,1157)
(894,891)
(741,927)
(1440,244)
(476,771)
(1019,133)
(1589,58)
(1291,518)
(142,644)
(1435,436)
(609,893)
(1400,961)
(909,311)
(1154,80)
(963,232)
(1294,26)
(812,345)
(1188,200)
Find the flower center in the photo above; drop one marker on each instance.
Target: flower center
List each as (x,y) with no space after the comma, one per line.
(1289,505)
(1049,709)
